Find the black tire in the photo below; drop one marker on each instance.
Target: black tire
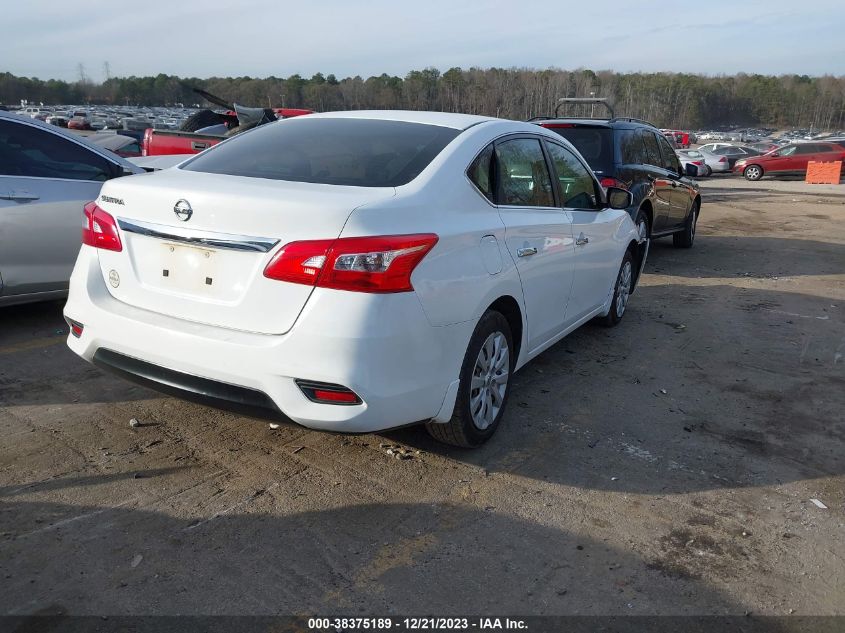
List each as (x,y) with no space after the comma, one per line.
(462,429)
(753,172)
(626,271)
(707,171)
(201,119)
(685,238)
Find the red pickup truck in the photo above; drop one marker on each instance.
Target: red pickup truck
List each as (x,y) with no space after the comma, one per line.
(161,142)
(682,139)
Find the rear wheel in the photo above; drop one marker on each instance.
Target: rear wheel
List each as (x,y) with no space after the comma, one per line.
(685,238)
(621,292)
(484,382)
(642,226)
(707,171)
(753,172)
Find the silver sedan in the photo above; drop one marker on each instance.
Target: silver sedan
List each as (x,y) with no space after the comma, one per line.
(46,176)
(715,164)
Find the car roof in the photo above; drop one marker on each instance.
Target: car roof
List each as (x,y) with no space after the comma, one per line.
(617,122)
(77,138)
(442,119)
(567,121)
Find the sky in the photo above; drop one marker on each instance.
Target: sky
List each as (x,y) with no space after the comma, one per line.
(369,37)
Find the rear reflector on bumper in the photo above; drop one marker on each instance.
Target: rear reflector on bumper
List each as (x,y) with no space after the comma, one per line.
(327,393)
(75,327)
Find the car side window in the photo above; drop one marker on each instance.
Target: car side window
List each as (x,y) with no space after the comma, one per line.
(577,186)
(523,176)
(480,172)
(670,160)
(652,150)
(806,149)
(631,147)
(28,151)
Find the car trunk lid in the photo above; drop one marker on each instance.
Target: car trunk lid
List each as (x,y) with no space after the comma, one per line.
(195,245)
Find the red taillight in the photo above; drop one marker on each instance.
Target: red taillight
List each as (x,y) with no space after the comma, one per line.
(697,163)
(100,229)
(723,159)
(359,264)
(611,182)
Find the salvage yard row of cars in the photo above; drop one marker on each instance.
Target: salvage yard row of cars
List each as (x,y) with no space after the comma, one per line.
(456,247)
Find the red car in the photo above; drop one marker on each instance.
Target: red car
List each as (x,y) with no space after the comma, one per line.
(789,160)
(680,138)
(79,121)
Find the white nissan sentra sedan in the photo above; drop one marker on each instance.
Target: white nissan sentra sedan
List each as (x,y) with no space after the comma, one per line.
(354,271)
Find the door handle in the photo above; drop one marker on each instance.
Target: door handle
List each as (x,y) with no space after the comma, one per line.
(19,195)
(582,239)
(199,145)
(525,252)
(674,184)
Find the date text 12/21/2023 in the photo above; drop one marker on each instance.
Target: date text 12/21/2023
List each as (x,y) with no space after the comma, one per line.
(416,624)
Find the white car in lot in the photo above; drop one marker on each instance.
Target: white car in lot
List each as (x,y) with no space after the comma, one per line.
(354,271)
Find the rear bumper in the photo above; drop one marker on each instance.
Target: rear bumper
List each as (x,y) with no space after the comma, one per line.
(380,346)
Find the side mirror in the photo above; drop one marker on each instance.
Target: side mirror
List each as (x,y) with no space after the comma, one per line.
(618,198)
(775,153)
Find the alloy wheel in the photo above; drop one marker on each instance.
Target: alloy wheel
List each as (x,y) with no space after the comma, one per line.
(642,231)
(489,380)
(623,289)
(752,173)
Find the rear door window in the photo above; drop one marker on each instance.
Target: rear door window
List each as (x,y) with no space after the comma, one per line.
(631,148)
(28,151)
(652,150)
(480,172)
(523,175)
(577,186)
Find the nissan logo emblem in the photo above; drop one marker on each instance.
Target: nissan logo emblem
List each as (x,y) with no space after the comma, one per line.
(183,210)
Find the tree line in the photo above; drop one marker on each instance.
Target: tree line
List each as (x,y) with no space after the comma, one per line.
(673,100)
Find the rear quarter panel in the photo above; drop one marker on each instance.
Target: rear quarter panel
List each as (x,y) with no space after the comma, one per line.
(454,282)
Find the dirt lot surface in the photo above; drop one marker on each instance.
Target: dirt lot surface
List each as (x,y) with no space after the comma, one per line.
(665,466)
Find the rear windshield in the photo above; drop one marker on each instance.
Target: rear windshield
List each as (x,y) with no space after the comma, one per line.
(595,144)
(354,152)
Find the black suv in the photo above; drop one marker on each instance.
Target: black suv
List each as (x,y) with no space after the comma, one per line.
(634,155)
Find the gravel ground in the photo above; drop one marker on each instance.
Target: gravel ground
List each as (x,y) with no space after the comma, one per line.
(666,466)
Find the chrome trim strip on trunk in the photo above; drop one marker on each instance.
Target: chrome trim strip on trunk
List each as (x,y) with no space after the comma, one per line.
(198,237)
